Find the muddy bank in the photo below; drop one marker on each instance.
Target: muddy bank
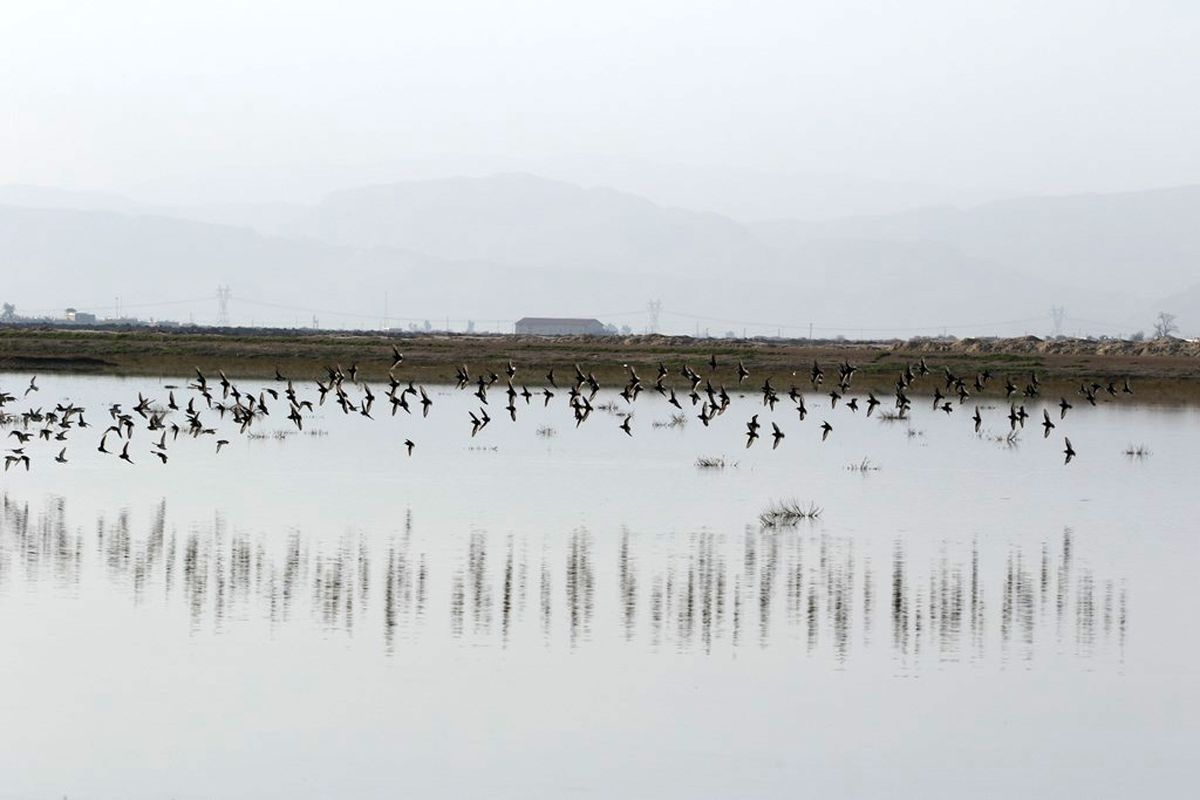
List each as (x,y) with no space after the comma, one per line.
(1164,369)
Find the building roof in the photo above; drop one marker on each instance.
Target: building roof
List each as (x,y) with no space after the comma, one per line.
(558,321)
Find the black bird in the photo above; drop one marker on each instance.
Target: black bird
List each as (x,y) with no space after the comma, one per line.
(625,425)
(221,443)
(871,403)
(409,444)
(978,419)
(10,460)
(753,424)
(1063,406)
(1047,425)
(161,455)
(61,458)
(397,357)
(817,375)
(125,453)
(1069,452)
(826,429)
(776,434)
(742,372)
(33,387)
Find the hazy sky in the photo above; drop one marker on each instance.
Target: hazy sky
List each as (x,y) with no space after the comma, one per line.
(193,101)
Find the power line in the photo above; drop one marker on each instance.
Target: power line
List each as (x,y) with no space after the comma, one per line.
(223,295)
(777,325)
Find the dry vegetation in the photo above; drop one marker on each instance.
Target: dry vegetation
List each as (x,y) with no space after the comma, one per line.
(785,513)
(1161,370)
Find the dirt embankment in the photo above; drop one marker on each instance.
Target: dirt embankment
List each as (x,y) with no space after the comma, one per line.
(1171,347)
(1165,369)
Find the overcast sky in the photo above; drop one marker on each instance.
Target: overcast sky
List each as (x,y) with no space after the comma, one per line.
(252,100)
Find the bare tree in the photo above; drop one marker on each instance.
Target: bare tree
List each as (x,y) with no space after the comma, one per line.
(1164,325)
(8,312)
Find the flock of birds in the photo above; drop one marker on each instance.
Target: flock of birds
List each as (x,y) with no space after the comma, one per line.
(354,396)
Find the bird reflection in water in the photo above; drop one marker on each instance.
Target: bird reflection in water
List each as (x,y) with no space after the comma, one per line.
(704,592)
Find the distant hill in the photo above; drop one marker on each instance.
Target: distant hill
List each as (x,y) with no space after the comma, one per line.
(1141,244)
(526,220)
(53,258)
(27,196)
(513,245)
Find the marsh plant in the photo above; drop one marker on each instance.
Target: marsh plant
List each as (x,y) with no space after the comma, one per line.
(1009,439)
(714,462)
(786,513)
(1137,451)
(675,421)
(279,435)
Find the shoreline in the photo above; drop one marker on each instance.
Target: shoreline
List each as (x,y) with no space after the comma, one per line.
(1161,370)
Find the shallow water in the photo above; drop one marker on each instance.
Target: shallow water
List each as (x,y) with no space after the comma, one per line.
(526,615)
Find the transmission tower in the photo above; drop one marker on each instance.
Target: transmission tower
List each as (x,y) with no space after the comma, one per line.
(1058,315)
(654,308)
(223,295)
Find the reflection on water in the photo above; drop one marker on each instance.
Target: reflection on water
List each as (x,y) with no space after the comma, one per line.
(700,592)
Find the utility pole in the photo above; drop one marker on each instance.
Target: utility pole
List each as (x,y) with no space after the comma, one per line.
(1058,315)
(223,295)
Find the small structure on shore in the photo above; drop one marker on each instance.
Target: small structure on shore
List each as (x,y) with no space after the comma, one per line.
(559,326)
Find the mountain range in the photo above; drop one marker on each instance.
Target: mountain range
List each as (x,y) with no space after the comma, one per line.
(498,247)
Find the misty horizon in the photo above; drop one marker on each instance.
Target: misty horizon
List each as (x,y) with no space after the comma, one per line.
(274,103)
(869,171)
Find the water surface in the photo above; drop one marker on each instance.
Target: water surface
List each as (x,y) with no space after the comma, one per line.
(524,614)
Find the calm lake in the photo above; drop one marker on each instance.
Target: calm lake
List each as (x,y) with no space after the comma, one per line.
(545,610)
